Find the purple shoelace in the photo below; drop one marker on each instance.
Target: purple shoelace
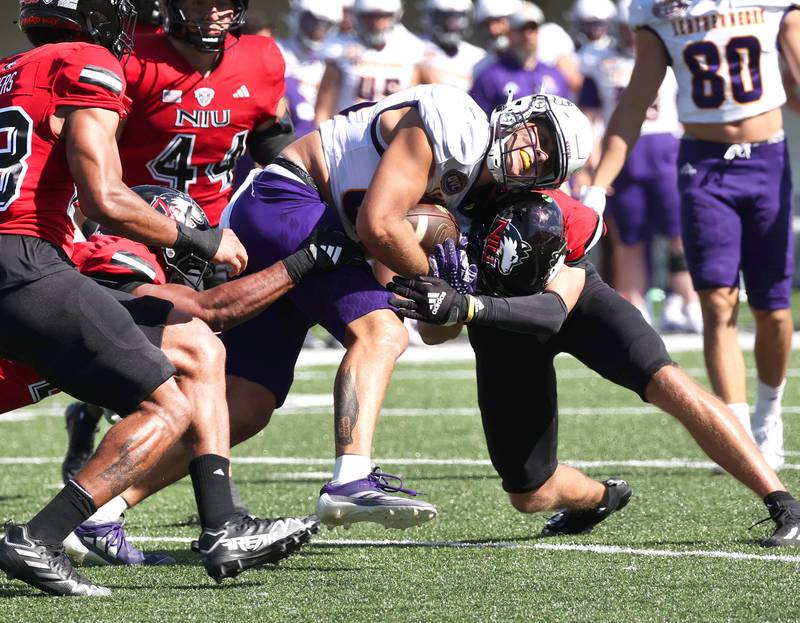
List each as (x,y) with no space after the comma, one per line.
(384,481)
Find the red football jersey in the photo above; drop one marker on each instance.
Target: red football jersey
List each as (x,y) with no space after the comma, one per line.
(584,226)
(187,131)
(106,258)
(35,182)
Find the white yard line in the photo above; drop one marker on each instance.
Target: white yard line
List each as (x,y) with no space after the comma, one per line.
(673,463)
(304,404)
(558,547)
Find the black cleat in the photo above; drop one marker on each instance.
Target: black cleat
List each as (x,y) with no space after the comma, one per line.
(583,521)
(42,565)
(81,432)
(786,515)
(245,542)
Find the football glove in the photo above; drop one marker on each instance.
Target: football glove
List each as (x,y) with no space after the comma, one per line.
(325,250)
(594,197)
(431,299)
(449,262)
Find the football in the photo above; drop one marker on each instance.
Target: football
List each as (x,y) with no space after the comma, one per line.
(433,224)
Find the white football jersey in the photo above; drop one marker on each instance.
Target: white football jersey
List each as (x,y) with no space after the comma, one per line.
(458,131)
(724,53)
(369,75)
(611,74)
(453,70)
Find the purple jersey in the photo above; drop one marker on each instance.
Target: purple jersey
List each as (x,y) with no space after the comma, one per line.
(492,84)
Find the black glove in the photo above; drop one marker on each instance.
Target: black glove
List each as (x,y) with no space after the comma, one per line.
(325,250)
(432,300)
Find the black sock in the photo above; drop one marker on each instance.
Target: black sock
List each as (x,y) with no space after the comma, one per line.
(776,499)
(212,489)
(65,512)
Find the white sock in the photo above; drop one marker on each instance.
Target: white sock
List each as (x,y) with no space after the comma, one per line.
(110,511)
(350,467)
(742,412)
(768,401)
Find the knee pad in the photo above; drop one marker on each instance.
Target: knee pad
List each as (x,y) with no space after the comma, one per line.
(676,263)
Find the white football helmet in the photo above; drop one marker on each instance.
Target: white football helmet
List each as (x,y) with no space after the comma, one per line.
(492,9)
(372,38)
(447,21)
(570,130)
(591,20)
(308,15)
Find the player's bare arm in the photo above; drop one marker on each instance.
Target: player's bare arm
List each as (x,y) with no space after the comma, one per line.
(789,39)
(228,304)
(328,92)
(238,300)
(626,122)
(93,159)
(399,183)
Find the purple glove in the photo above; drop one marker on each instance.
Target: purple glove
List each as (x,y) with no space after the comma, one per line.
(449,262)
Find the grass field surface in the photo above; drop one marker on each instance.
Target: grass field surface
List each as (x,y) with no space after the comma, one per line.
(680,551)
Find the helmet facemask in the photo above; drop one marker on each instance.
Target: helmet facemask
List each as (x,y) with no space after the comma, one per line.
(204,34)
(519,134)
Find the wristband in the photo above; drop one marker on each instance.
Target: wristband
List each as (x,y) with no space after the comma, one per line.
(204,243)
(299,264)
(470,308)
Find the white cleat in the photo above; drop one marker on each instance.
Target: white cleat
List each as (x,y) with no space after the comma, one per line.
(370,499)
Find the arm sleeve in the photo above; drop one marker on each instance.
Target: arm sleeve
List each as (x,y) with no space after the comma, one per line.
(539,314)
(91,78)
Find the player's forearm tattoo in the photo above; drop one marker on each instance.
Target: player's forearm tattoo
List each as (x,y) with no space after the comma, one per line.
(345,406)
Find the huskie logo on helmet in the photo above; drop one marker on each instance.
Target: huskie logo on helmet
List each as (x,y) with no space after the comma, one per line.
(556,119)
(505,248)
(184,268)
(523,248)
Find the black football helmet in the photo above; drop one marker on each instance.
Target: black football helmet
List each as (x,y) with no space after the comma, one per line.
(198,33)
(522,248)
(183,268)
(109,23)
(148,11)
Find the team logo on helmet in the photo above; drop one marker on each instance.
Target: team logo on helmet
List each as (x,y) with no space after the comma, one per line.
(204,96)
(454,181)
(505,248)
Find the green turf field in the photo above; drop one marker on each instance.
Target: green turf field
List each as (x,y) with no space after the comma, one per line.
(680,551)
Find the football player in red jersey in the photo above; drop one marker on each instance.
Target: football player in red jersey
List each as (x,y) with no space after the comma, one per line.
(538,296)
(201,97)
(60,107)
(132,267)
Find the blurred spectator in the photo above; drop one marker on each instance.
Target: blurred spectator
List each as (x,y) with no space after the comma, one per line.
(591,21)
(380,58)
(347,24)
(491,20)
(645,201)
(517,70)
(312,25)
(448,58)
